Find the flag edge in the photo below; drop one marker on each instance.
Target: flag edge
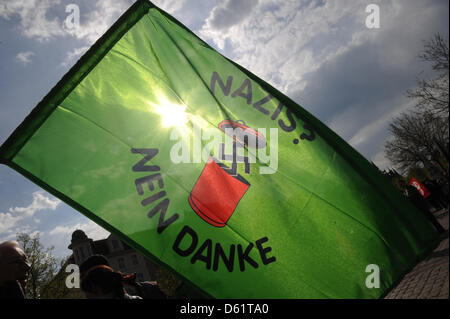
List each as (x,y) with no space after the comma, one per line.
(91,216)
(38,115)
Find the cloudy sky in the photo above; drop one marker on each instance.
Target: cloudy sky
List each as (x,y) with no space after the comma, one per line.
(320,53)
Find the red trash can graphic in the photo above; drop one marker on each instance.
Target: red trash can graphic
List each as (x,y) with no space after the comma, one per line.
(243,133)
(217,193)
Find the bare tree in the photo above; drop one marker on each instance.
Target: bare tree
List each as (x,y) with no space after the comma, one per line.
(417,134)
(432,95)
(415,137)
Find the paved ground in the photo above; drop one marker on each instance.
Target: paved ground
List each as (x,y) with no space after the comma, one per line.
(429,279)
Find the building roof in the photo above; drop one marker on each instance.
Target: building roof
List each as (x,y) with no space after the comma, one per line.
(78,236)
(99,247)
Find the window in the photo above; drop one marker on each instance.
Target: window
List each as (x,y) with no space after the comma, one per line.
(121,263)
(134,259)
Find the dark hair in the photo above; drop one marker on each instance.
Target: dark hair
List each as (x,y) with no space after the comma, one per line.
(92,261)
(104,278)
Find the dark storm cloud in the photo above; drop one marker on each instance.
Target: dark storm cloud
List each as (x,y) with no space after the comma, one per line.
(353,80)
(358,91)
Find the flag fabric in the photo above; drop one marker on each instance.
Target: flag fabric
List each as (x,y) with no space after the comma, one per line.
(282,209)
(420,187)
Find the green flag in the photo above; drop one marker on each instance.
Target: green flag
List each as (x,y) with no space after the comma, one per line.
(208,170)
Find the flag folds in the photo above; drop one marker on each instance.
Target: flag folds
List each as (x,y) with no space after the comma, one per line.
(213,173)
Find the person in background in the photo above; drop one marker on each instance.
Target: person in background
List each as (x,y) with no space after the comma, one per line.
(436,198)
(14,270)
(102,282)
(145,290)
(417,199)
(92,261)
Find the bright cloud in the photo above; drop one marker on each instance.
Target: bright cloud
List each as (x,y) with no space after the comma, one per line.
(71,56)
(91,229)
(40,202)
(7,221)
(99,19)
(282,40)
(34,22)
(61,235)
(43,20)
(170,6)
(228,13)
(24,57)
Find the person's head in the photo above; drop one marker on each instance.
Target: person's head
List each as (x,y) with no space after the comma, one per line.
(14,264)
(102,282)
(92,261)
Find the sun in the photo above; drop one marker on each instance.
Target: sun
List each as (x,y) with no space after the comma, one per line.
(172,114)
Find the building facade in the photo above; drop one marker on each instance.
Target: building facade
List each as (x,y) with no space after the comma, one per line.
(120,256)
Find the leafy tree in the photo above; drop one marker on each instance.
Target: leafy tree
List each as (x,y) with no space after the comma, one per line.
(57,288)
(43,264)
(167,281)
